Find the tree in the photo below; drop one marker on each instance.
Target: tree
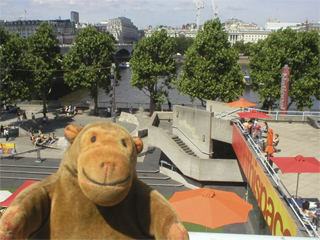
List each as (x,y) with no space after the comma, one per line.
(239,46)
(183,43)
(89,61)
(43,61)
(15,79)
(210,69)
(301,52)
(153,67)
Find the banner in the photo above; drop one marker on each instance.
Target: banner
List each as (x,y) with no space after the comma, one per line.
(284,89)
(274,212)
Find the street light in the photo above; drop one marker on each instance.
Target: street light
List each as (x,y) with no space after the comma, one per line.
(113,94)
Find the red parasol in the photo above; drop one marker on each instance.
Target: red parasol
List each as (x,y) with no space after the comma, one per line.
(253,114)
(9,200)
(210,208)
(298,164)
(270,149)
(241,103)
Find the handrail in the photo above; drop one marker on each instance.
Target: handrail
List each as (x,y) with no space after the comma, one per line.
(272,173)
(207,153)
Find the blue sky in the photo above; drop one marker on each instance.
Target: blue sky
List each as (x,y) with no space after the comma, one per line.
(173,13)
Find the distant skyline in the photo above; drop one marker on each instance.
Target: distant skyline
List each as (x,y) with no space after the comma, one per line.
(172,13)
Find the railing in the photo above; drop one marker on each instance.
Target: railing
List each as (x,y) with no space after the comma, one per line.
(207,153)
(276,180)
(304,114)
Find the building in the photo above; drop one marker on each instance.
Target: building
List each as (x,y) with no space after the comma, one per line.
(314,26)
(246,32)
(123,30)
(274,25)
(75,17)
(188,30)
(26,28)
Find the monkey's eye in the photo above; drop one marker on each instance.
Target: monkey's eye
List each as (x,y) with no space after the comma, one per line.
(123,143)
(93,139)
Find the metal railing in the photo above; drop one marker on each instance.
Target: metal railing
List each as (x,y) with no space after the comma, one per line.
(277,181)
(193,143)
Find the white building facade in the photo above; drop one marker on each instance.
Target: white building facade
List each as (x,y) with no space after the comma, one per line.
(123,30)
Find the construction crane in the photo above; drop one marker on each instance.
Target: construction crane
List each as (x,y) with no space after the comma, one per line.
(200,6)
(215,10)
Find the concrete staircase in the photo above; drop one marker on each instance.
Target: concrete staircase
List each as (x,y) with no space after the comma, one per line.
(183,146)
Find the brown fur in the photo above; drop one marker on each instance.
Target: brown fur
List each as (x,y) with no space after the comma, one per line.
(95,194)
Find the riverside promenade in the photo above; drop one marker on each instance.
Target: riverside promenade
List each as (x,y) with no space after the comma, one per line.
(295,139)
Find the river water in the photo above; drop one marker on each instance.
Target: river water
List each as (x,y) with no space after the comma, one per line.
(127,96)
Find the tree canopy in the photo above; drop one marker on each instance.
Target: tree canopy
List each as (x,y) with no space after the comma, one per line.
(15,77)
(183,43)
(153,66)
(210,69)
(89,61)
(301,52)
(29,66)
(43,61)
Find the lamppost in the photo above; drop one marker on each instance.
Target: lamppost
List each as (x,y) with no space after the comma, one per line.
(113,94)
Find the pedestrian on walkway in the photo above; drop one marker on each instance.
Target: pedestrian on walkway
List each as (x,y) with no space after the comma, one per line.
(7,134)
(1,130)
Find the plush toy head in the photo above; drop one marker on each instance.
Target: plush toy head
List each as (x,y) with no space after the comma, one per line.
(104,158)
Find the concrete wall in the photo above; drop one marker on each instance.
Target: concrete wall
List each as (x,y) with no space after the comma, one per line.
(222,130)
(196,124)
(222,170)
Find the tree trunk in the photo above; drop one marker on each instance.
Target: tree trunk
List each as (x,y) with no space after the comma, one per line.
(152,105)
(96,105)
(44,106)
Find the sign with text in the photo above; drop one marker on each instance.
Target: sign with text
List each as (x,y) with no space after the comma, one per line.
(273,210)
(285,78)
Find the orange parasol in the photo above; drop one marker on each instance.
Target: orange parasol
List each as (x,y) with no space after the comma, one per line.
(241,103)
(253,114)
(298,164)
(270,149)
(210,208)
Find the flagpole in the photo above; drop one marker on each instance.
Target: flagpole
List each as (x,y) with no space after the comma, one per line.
(297,185)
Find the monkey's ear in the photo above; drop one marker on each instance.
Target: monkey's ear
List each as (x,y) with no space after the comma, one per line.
(72,131)
(139,144)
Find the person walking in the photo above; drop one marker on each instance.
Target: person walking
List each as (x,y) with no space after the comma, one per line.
(7,134)
(1,130)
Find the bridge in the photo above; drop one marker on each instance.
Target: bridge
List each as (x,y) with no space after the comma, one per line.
(123,53)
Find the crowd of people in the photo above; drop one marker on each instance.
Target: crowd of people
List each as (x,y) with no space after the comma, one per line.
(256,130)
(41,140)
(70,110)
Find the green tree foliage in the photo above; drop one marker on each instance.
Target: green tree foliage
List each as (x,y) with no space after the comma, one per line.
(89,61)
(15,78)
(239,46)
(243,48)
(43,61)
(183,43)
(301,52)
(210,69)
(4,36)
(153,66)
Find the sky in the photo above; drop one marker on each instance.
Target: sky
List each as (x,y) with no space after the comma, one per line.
(174,13)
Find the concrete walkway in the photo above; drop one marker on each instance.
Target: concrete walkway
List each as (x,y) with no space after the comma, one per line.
(299,139)
(295,139)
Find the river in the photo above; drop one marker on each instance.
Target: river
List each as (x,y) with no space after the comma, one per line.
(127,96)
